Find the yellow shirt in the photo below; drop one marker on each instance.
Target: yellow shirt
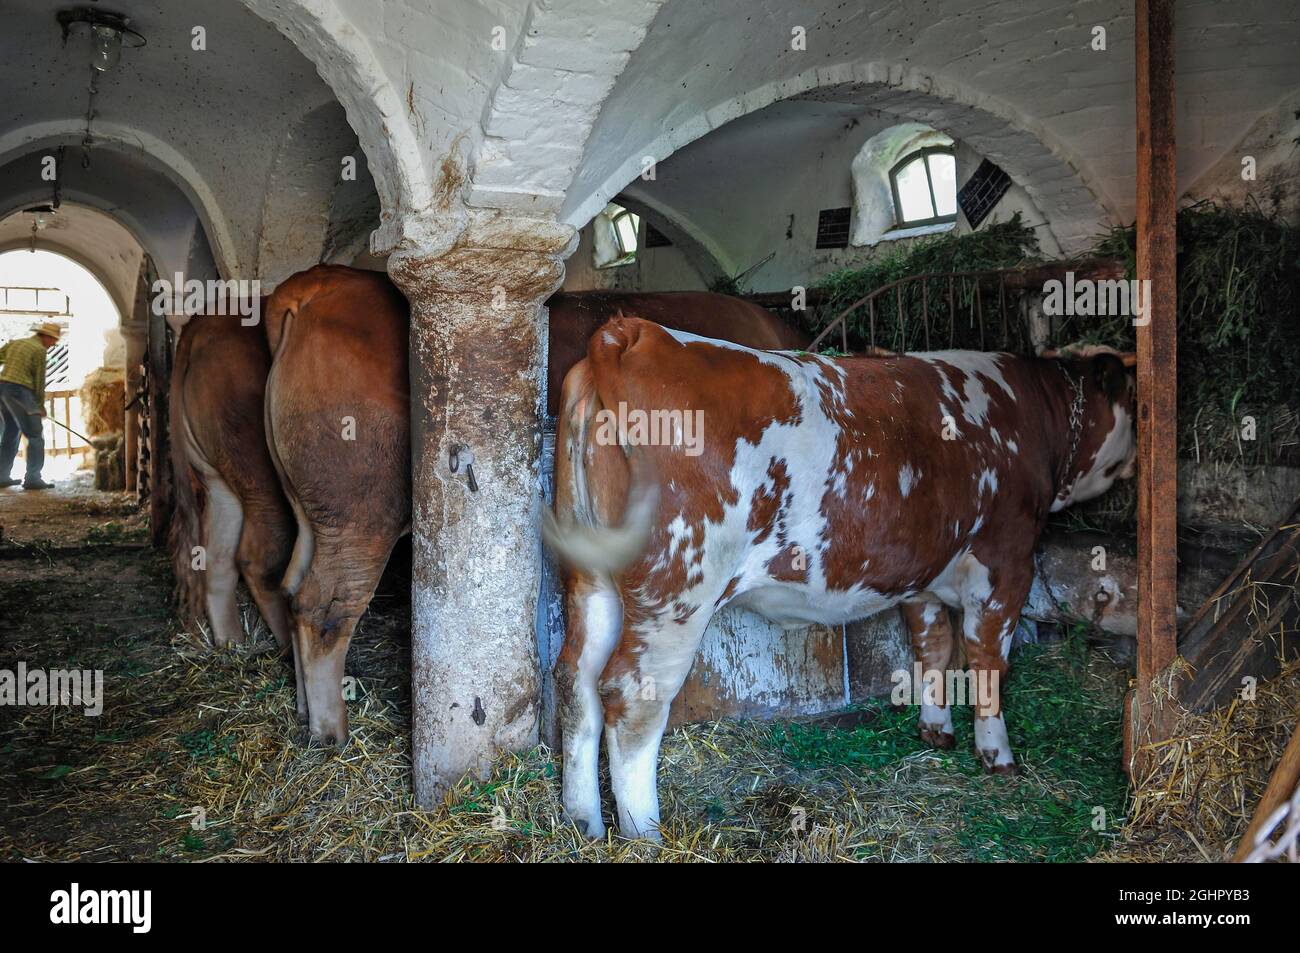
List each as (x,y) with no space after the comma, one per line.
(24,363)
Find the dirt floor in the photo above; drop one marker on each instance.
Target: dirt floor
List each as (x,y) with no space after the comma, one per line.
(72,513)
(198,756)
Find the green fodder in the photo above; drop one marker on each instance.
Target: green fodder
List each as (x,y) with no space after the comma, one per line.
(1238,332)
(1062,706)
(1001,245)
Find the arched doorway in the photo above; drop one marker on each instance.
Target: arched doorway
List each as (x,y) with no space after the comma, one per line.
(87,364)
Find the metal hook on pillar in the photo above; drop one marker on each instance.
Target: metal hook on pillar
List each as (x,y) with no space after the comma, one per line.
(458,454)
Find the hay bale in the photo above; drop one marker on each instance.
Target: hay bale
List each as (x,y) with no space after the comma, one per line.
(110,461)
(103,401)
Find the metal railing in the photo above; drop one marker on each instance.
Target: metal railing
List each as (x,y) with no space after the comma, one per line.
(972,285)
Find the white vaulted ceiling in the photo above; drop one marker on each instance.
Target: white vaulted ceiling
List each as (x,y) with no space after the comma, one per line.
(548,108)
(1021,76)
(216,127)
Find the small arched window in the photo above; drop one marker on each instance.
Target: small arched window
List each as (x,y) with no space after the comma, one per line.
(616,236)
(925,187)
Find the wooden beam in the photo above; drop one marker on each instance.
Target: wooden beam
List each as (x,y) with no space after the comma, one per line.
(1248,625)
(1156,374)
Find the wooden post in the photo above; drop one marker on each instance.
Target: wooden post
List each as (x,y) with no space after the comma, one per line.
(160,469)
(1156,370)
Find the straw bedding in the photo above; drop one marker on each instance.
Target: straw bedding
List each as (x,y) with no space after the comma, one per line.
(198,756)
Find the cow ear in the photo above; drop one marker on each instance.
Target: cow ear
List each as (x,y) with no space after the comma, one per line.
(1111,375)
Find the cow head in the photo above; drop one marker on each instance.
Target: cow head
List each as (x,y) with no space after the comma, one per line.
(1102,438)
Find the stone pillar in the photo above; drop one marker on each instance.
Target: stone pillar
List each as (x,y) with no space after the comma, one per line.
(478,353)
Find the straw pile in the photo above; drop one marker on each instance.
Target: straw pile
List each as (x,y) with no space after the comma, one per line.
(1199,795)
(198,756)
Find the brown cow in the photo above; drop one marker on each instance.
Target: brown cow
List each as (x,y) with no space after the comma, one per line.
(822,490)
(337,424)
(228,500)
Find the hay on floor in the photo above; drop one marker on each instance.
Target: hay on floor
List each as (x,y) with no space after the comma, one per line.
(1199,794)
(198,756)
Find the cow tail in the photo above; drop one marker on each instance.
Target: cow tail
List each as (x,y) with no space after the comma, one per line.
(584,543)
(185,532)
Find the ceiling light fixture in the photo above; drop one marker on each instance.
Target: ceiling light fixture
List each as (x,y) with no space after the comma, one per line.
(108,31)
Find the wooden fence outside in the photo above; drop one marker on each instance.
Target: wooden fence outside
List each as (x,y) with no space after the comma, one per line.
(65,407)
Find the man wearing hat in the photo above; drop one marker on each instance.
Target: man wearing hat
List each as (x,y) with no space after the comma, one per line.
(22,404)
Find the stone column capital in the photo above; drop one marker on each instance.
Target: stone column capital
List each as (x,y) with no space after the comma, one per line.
(493,256)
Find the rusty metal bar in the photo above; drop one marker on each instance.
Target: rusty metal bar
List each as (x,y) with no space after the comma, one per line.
(898,329)
(925,311)
(36,310)
(1156,373)
(952,314)
(1002,307)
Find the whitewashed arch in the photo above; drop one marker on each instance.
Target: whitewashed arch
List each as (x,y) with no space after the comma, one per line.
(348,64)
(120,301)
(1056,182)
(150,151)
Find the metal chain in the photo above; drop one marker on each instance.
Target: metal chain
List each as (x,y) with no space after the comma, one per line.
(1284,823)
(1076,421)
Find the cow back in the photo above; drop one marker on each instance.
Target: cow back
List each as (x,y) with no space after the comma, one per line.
(575,316)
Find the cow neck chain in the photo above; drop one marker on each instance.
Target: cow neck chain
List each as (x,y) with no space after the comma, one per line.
(1076,425)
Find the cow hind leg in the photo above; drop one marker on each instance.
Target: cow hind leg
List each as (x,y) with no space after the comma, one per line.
(931,631)
(264,547)
(304,546)
(328,604)
(594,618)
(223,519)
(637,688)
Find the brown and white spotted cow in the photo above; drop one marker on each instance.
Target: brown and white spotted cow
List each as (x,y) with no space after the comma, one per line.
(228,500)
(826,491)
(337,426)
(575,316)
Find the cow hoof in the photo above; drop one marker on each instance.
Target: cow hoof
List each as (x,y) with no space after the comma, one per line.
(651,838)
(592,830)
(938,738)
(990,759)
